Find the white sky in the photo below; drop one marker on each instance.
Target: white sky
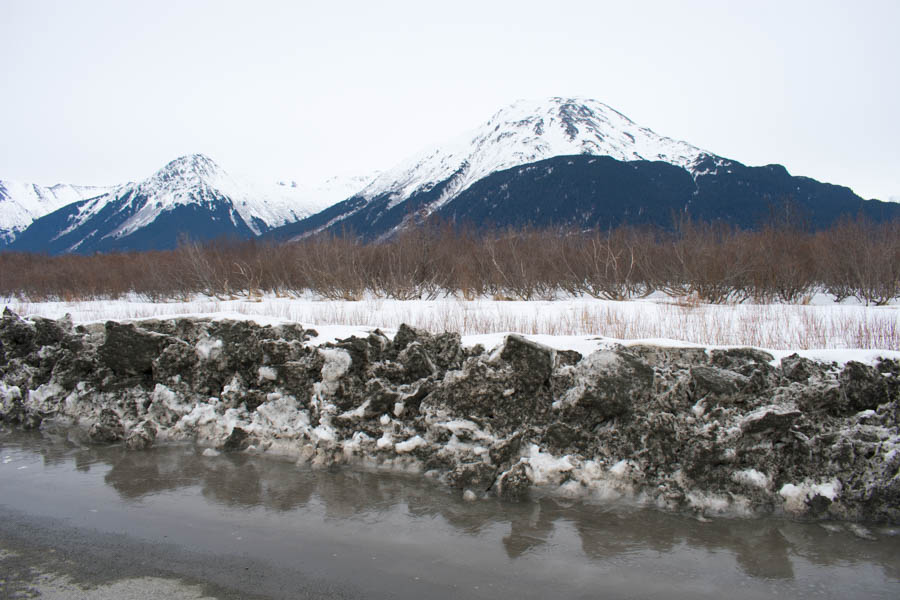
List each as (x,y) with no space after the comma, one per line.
(99,92)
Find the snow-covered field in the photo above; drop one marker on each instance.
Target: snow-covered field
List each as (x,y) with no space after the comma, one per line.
(820,325)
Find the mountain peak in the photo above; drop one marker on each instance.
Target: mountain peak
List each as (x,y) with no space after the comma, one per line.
(570,110)
(186,180)
(195,161)
(527,131)
(189,194)
(189,167)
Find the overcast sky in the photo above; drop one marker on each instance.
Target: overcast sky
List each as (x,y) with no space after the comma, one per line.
(99,92)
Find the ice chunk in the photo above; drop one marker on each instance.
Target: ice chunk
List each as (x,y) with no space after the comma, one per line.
(209,349)
(324,432)
(267,373)
(9,393)
(38,398)
(621,469)
(410,444)
(546,468)
(797,496)
(385,442)
(337,363)
(752,478)
(708,503)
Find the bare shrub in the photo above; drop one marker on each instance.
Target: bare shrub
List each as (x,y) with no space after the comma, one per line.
(700,262)
(334,267)
(406,268)
(709,262)
(784,265)
(612,265)
(859,258)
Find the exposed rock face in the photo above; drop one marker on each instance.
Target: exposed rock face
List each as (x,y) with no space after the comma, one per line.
(724,431)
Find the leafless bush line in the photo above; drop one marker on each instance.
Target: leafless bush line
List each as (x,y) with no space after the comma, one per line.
(698,262)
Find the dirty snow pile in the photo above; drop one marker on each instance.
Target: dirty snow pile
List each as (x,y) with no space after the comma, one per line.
(713,431)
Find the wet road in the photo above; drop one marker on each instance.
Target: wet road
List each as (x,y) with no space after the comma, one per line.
(91,522)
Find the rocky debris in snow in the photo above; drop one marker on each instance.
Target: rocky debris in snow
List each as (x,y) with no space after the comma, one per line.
(721,431)
(713,380)
(796,368)
(514,483)
(238,439)
(127,350)
(107,428)
(769,419)
(473,475)
(142,436)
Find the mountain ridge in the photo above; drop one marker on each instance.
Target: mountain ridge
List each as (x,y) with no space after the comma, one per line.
(22,203)
(520,167)
(439,181)
(190,186)
(531,131)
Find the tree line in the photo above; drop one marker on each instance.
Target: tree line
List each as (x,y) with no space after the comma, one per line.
(712,263)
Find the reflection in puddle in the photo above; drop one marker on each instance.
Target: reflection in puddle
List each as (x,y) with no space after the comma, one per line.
(805,558)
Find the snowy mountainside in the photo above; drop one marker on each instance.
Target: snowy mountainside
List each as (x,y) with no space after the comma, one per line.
(22,203)
(599,191)
(190,195)
(522,133)
(286,201)
(576,163)
(197,178)
(526,132)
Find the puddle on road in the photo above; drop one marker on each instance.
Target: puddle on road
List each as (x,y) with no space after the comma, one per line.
(403,536)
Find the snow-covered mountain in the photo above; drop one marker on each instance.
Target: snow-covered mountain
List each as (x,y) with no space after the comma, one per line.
(299,199)
(526,132)
(559,162)
(195,179)
(22,203)
(190,196)
(576,163)
(522,133)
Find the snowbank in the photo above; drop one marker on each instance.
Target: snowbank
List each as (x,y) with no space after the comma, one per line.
(709,430)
